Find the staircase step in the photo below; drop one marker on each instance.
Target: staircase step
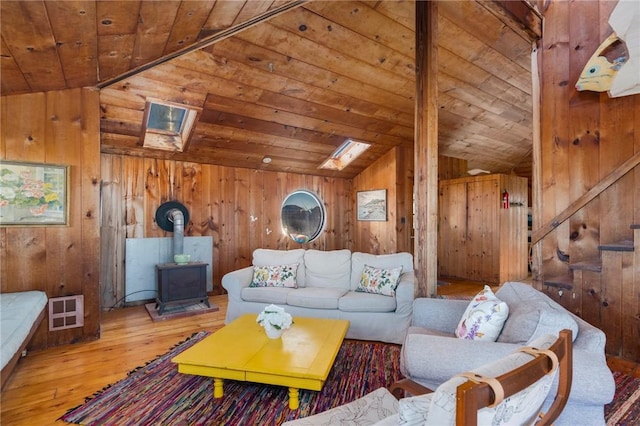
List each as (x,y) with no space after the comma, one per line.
(594,265)
(561,281)
(624,245)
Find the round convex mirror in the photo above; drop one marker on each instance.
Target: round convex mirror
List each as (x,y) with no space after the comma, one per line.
(302,216)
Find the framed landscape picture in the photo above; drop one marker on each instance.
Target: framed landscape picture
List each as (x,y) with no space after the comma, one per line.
(372,205)
(33,194)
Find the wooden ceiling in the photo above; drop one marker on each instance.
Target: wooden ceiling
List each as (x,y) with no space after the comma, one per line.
(285,80)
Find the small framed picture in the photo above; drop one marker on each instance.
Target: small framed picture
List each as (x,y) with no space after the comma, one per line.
(372,205)
(33,194)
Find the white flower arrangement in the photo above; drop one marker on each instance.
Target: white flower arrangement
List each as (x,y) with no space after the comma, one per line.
(275,317)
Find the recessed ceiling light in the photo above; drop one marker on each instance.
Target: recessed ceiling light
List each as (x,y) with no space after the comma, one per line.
(266,160)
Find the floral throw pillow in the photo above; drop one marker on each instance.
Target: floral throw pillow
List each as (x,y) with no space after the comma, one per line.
(275,276)
(483,318)
(379,280)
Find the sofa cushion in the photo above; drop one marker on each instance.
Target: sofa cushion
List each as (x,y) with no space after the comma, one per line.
(275,295)
(428,332)
(379,280)
(483,318)
(328,269)
(366,302)
(275,276)
(268,257)
(532,314)
(359,260)
(315,297)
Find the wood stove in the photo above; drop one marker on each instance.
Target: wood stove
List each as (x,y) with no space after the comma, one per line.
(181,284)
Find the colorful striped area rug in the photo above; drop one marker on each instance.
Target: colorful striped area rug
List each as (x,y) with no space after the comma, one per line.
(157,394)
(624,410)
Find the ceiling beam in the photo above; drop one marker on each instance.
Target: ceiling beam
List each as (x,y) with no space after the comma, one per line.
(521,16)
(207,41)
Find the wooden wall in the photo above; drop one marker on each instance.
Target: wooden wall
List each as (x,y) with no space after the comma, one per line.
(393,172)
(60,128)
(585,136)
(221,203)
(478,239)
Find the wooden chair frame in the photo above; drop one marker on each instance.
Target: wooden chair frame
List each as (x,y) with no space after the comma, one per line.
(472,396)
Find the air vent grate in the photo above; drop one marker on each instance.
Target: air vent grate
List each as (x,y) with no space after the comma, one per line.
(66,312)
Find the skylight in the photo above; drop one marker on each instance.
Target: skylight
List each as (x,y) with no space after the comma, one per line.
(167,125)
(345,154)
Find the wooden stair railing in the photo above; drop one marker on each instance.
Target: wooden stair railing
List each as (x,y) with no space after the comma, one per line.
(597,189)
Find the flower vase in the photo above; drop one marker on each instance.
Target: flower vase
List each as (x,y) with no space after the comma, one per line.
(273,333)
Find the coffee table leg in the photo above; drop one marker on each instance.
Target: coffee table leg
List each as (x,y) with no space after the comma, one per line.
(294,402)
(218,391)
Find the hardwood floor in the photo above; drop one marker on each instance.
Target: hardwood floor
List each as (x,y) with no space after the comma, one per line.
(451,286)
(46,384)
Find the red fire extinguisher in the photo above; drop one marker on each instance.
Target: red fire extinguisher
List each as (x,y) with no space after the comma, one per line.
(505,199)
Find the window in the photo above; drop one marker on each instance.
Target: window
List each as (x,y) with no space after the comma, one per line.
(303,216)
(345,154)
(167,125)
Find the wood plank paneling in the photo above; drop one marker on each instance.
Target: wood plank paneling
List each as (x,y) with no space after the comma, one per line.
(383,237)
(60,128)
(34,49)
(112,231)
(309,78)
(76,41)
(330,70)
(239,208)
(479,239)
(87,124)
(631,315)
(555,181)
(586,136)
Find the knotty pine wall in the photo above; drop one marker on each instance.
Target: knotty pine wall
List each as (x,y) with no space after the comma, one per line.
(239,208)
(59,127)
(585,136)
(393,172)
(478,239)
(87,257)
(222,201)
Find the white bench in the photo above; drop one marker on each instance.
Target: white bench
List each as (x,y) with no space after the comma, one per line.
(20,315)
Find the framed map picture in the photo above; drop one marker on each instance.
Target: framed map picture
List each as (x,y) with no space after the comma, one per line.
(33,194)
(372,205)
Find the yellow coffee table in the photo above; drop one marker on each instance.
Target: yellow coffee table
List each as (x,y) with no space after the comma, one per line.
(241,350)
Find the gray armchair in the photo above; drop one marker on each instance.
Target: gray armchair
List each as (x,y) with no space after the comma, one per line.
(431,354)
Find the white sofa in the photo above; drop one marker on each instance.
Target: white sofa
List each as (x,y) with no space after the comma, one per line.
(326,283)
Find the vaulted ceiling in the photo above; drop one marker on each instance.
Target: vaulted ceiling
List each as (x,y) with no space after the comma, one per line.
(285,80)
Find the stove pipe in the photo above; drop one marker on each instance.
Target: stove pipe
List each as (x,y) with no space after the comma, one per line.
(176,216)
